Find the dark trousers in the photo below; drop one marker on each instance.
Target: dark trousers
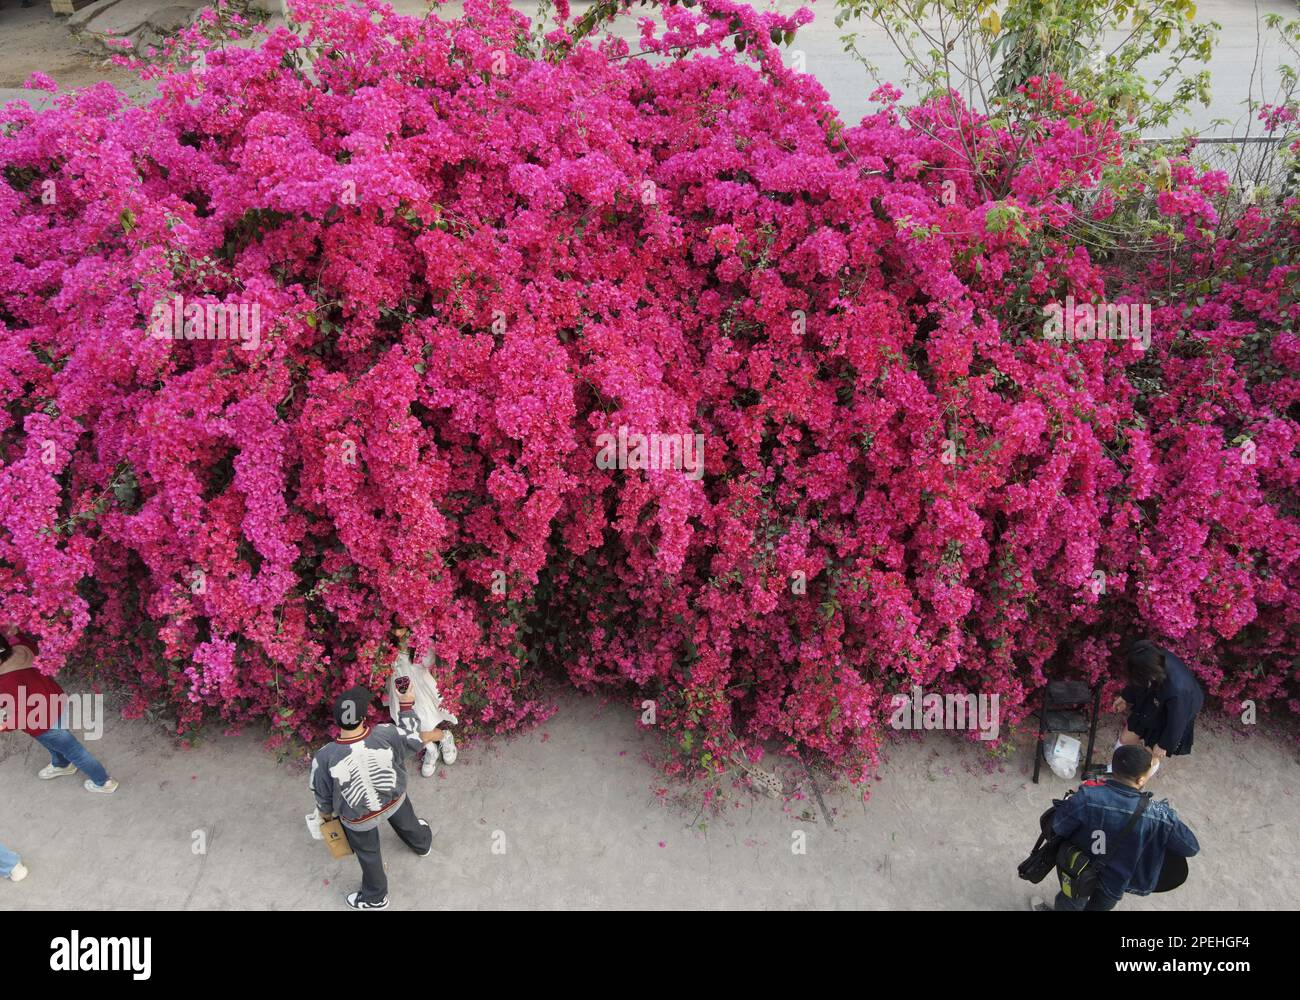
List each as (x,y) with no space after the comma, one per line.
(365,844)
(1099,900)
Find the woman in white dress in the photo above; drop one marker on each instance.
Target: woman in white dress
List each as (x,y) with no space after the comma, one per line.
(428,705)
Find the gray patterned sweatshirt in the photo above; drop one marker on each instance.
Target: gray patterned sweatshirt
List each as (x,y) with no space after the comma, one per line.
(362,780)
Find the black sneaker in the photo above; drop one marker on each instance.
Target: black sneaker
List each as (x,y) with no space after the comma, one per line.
(360,904)
(425,853)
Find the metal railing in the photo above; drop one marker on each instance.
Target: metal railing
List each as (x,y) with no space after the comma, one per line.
(1247,158)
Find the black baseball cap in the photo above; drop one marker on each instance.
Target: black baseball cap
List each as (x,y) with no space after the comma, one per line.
(350,707)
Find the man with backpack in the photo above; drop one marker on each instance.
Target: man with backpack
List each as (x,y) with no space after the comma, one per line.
(1113,838)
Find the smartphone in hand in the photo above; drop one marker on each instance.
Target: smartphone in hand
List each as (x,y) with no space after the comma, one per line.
(403,685)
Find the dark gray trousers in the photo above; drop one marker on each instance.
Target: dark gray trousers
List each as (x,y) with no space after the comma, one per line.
(365,844)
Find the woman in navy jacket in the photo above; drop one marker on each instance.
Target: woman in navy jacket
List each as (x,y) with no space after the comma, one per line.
(1163,699)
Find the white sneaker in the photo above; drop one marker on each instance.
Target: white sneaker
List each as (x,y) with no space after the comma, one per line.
(353,900)
(430,762)
(50,771)
(19,873)
(448,747)
(107,788)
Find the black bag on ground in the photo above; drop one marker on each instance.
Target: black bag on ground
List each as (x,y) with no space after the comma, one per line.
(1079,871)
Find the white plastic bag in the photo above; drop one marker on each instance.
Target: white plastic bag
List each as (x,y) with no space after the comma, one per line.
(313,824)
(1062,755)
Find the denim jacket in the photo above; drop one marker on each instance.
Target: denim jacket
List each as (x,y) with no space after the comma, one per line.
(1134,865)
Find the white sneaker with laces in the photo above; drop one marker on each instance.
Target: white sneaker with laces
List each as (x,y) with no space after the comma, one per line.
(448,747)
(357,904)
(50,771)
(107,788)
(430,762)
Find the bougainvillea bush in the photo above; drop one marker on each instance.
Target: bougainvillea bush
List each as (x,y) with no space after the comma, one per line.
(474,250)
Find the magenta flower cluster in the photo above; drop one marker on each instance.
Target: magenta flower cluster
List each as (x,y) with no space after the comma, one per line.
(471,262)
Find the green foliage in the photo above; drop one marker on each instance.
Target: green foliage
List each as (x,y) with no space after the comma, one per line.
(1095,46)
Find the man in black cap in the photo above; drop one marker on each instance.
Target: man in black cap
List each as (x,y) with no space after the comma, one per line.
(361,779)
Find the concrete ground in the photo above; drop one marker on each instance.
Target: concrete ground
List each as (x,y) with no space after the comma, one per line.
(34,39)
(573,815)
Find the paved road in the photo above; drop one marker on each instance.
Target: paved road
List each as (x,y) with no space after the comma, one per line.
(572,815)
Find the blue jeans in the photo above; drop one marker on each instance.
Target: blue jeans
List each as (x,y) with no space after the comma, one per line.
(7,861)
(66,749)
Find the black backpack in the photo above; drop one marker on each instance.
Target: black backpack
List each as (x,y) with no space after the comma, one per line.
(1042,859)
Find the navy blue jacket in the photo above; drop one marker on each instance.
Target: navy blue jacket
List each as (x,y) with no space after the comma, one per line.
(1166,715)
(1134,864)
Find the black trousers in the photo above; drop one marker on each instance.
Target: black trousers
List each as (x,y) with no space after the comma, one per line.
(365,844)
(1097,901)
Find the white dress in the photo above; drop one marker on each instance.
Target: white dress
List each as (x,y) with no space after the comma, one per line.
(428,704)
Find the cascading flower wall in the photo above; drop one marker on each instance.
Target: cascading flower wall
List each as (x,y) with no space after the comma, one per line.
(472,254)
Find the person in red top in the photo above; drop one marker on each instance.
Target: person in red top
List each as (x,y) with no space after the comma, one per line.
(33,702)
